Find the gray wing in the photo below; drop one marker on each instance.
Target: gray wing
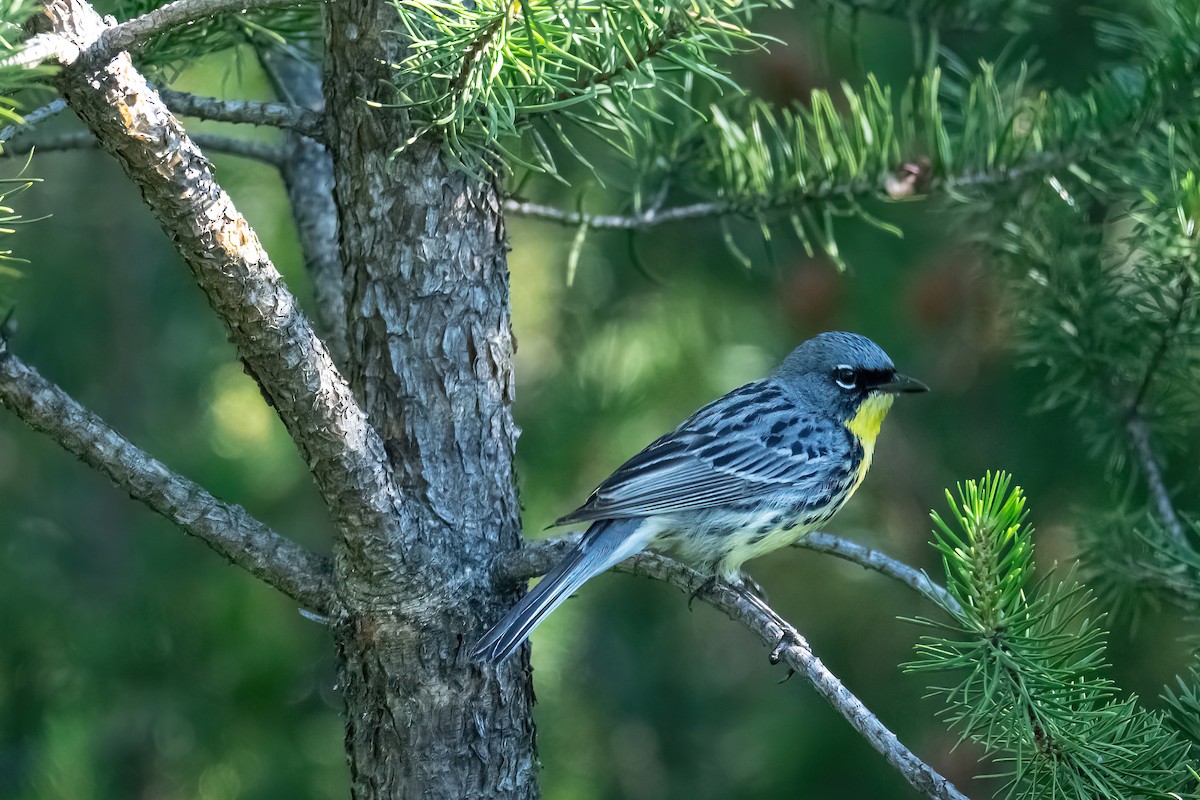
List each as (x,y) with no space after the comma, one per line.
(751,443)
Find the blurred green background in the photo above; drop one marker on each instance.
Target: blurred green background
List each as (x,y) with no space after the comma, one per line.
(134,663)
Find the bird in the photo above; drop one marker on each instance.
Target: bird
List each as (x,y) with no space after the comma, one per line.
(750,472)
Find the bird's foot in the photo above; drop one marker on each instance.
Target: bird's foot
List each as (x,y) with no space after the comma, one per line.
(790,637)
(753,587)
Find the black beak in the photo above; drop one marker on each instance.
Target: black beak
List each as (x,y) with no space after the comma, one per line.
(901,384)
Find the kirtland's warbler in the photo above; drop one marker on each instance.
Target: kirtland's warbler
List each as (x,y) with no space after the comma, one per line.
(750,472)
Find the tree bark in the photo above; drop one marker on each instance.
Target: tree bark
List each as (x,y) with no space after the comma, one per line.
(430,360)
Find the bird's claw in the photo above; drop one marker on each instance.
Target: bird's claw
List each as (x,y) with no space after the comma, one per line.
(753,587)
(788,638)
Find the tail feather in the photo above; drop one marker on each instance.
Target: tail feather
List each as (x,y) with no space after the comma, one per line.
(606,543)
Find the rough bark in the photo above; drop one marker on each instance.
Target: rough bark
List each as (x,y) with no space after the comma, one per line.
(424,253)
(307,173)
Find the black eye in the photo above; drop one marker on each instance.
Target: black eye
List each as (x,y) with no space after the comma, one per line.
(845,377)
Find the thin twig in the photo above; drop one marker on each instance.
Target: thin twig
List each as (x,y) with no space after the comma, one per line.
(618,222)
(32,118)
(248,112)
(789,647)
(655,216)
(228,529)
(1139,431)
(84,140)
(1139,438)
(871,558)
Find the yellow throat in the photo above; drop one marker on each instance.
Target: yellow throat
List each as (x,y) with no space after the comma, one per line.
(865,425)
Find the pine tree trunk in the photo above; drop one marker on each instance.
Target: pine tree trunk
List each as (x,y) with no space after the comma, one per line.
(430,358)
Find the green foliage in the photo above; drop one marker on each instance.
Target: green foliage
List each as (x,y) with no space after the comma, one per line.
(1035,695)
(479,74)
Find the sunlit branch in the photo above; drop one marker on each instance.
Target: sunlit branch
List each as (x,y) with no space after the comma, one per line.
(228,529)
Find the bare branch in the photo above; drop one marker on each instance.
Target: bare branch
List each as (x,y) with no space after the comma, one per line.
(1139,432)
(215,143)
(619,222)
(909,181)
(228,529)
(274,339)
(870,558)
(32,118)
(248,112)
(1139,438)
(134,34)
(789,647)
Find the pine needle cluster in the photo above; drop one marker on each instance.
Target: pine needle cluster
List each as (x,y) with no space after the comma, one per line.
(1031,654)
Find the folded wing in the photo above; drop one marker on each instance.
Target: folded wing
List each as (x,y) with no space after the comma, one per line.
(751,443)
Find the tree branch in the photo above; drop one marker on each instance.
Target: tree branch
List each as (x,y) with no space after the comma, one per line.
(32,118)
(134,34)
(1139,432)
(1139,439)
(307,171)
(215,143)
(228,529)
(789,647)
(618,222)
(536,557)
(247,112)
(870,558)
(274,339)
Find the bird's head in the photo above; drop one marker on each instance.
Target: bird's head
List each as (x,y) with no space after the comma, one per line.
(849,376)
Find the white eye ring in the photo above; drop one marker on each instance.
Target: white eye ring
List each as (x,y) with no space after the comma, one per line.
(845,376)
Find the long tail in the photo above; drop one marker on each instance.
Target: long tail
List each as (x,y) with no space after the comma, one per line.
(606,543)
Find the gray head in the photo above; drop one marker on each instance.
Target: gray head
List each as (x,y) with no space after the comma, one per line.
(839,370)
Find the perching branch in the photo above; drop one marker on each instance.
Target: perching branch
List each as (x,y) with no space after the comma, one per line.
(228,529)
(214,143)
(274,339)
(789,647)
(870,558)
(537,557)
(248,112)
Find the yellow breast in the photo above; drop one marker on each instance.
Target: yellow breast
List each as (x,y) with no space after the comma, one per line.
(865,426)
